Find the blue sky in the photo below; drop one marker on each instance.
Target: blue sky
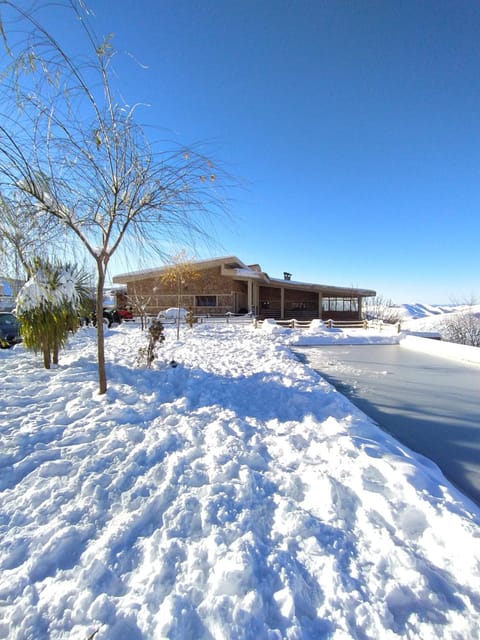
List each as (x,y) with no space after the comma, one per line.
(354,125)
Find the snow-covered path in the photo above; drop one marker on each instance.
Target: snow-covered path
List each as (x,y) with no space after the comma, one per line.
(237,495)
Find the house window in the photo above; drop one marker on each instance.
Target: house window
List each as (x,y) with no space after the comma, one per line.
(340,304)
(206,301)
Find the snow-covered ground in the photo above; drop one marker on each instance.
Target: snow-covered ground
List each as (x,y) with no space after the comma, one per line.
(235,496)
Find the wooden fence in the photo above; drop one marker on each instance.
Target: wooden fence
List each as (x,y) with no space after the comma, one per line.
(290,324)
(333,324)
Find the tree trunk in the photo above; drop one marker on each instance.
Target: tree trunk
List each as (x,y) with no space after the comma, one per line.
(179,299)
(46,356)
(55,349)
(102,374)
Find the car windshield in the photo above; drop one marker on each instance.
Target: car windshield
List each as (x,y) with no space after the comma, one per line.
(7,320)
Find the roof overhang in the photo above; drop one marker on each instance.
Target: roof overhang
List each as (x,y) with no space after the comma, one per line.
(325,289)
(229,263)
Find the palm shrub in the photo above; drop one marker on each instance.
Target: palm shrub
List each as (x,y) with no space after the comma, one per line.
(48,307)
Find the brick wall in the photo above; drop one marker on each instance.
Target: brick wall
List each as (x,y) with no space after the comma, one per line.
(163,295)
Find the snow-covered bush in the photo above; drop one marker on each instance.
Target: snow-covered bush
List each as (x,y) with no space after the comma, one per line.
(462,327)
(48,307)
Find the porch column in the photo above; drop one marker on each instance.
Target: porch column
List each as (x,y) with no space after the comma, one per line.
(359,307)
(250,301)
(320,305)
(282,303)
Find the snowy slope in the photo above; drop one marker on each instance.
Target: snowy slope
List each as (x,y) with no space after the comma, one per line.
(236,496)
(420,310)
(419,318)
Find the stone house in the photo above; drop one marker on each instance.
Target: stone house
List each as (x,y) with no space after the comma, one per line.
(227,285)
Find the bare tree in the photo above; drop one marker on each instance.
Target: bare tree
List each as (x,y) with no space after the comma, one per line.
(24,236)
(72,150)
(380,308)
(178,274)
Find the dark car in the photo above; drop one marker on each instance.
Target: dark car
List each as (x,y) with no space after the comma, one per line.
(9,330)
(110,316)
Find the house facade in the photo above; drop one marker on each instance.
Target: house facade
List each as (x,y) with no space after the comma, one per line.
(9,288)
(227,285)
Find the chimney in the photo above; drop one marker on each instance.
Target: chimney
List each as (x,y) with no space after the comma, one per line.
(287,276)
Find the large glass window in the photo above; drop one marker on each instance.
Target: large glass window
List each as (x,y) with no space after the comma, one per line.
(340,304)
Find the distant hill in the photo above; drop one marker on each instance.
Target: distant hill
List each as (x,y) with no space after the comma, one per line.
(424,317)
(419,310)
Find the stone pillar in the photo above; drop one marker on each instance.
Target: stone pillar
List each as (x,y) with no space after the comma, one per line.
(252,296)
